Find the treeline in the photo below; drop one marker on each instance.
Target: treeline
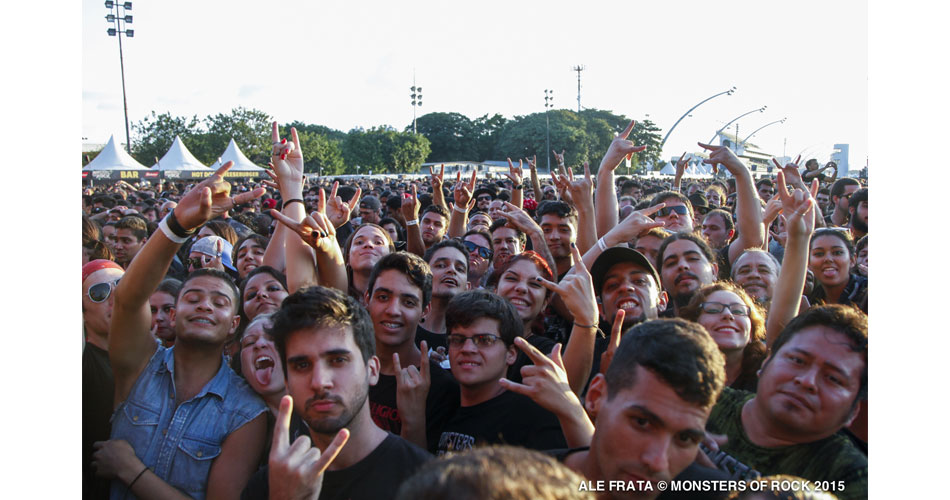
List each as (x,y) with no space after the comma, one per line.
(441,137)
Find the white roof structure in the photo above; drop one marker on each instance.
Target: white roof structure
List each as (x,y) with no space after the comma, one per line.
(112,157)
(241,163)
(179,158)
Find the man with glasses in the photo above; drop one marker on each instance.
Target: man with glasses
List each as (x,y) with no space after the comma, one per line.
(483,196)
(98,281)
(482,328)
(478,244)
(677,215)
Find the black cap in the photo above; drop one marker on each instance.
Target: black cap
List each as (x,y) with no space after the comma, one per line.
(370,202)
(699,202)
(480,191)
(616,255)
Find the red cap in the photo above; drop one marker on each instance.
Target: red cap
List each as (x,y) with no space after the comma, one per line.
(97,265)
(530,204)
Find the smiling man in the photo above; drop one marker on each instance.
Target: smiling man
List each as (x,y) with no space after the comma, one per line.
(397,298)
(686,264)
(482,329)
(809,388)
(449,261)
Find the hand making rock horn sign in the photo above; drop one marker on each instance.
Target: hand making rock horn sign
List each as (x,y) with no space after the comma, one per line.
(606,200)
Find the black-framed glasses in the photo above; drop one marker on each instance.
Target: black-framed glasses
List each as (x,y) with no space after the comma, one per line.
(484,197)
(718,307)
(100,291)
(197,263)
(479,339)
(483,252)
(679,209)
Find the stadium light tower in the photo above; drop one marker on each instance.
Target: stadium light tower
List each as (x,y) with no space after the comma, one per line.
(416,96)
(118,18)
(548,104)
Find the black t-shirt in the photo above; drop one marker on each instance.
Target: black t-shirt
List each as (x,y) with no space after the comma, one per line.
(98,390)
(543,344)
(432,339)
(376,476)
(442,401)
(722,259)
(508,418)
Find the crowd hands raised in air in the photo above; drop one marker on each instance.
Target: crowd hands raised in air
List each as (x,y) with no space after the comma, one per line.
(423,338)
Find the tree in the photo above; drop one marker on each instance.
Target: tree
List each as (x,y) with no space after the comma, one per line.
(488,131)
(320,153)
(452,136)
(250,129)
(154,134)
(409,152)
(383,150)
(329,133)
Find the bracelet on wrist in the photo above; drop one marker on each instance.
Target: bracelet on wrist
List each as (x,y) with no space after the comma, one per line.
(460,209)
(137,477)
(295,200)
(601,244)
(163,226)
(518,187)
(176,226)
(584,326)
(412,222)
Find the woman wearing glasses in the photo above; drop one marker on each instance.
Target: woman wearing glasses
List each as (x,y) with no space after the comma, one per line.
(737,325)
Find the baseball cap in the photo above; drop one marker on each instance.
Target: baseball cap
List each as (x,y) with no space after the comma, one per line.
(208,246)
(616,255)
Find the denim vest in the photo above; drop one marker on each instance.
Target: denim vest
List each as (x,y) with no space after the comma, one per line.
(180,443)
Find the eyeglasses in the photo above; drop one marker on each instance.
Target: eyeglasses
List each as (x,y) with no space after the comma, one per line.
(483,252)
(197,263)
(717,308)
(479,339)
(484,198)
(100,291)
(679,209)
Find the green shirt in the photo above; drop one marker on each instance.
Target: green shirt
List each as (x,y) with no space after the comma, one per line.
(832,459)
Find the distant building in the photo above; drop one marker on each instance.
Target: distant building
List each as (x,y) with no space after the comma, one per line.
(840,156)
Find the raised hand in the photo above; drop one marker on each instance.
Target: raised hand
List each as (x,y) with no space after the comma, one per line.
(681,165)
(722,155)
(581,188)
(210,198)
(793,176)
(436,179)
(798,208)
(337,210)
(620,148)
(577,291)
(411,205)
(545,381)
(615,331)
(560,159)
(515,174)
(632,226)
(772,209)
(296,471)
(316,229)
(533,163)
(215,262)
(520,220)
(287,161)
(412,386)
(462,191)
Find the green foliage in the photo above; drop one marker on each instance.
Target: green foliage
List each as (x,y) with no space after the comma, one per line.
(321,154)
(488,130)
(156,133)
(250,129)
(383,150)
(452,136)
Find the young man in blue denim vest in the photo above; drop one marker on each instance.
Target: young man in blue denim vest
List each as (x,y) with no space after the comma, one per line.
(185,424)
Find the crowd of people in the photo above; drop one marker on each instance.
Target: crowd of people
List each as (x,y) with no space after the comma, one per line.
(458,336)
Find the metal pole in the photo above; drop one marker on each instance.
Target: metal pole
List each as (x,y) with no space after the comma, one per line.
(760,128)
(762,109)
(730,92)
(125,102)
(578,69)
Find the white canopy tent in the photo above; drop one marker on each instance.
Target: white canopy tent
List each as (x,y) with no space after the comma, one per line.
(241,163)
(114,162)
(179,163)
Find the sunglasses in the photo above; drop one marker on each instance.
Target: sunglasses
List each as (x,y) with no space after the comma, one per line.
(197,263)
(679,209)
(479,340)
(483,252)
(717,308)
(100,291)
(483,198)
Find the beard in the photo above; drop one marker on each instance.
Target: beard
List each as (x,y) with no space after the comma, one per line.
(332,425)
(858,224)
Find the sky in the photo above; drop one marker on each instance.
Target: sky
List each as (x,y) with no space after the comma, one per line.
(351,64)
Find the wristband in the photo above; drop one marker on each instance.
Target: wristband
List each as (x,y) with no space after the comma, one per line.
(295,200)
(137,477)
(176,226)
(585,326)
(412,222)
(163,225)
(458,209)
(518,187)
(602,245)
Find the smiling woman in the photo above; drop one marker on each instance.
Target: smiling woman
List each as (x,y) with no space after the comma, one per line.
(736,324)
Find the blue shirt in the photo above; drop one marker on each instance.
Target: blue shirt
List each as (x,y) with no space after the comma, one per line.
(179,443)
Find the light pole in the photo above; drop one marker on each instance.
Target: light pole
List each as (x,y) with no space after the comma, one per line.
(116,19)
(416,96)
(760,110)
(548,104)
(670,131)
(578,69)
(760,128)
